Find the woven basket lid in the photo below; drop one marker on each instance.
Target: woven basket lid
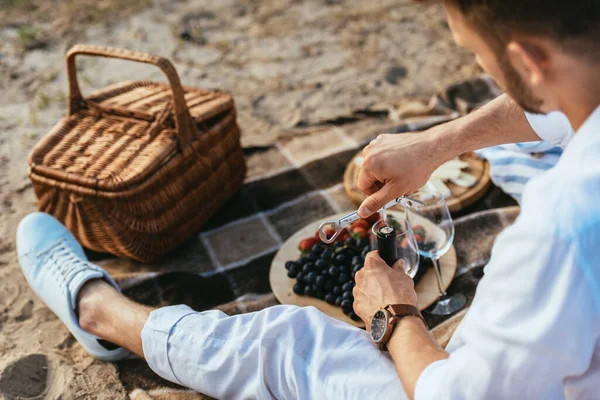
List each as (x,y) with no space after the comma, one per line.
(123,133)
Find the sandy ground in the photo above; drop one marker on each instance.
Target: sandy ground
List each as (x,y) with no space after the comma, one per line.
(288,64)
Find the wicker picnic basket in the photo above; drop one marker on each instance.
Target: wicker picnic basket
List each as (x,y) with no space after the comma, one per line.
(137,168)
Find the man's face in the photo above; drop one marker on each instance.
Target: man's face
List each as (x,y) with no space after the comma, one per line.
(498,66)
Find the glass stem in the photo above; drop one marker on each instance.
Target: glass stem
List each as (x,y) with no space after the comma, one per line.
(438,274)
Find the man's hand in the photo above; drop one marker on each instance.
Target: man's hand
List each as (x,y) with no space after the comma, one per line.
(378,285)
(396,165)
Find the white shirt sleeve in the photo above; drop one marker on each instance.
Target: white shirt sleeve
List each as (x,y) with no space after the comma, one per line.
(553,128)
(517,340)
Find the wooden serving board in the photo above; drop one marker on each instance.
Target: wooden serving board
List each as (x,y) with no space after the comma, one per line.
(282,286)
(461,197)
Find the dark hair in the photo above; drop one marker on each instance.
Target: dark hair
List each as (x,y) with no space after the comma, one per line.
(574,24)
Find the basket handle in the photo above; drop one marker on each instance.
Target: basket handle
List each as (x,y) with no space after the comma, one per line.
(183,122)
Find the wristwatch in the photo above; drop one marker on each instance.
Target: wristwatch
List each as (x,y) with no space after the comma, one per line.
(384,320)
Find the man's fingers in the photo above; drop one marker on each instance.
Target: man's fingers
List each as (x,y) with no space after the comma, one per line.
(372,260)
(375,201)
(368,147)
(399,265)
(367,183)
(358,278)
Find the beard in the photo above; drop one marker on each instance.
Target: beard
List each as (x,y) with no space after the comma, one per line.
(517,89)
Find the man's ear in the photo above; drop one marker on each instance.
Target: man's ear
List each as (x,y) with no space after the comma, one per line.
(530,60)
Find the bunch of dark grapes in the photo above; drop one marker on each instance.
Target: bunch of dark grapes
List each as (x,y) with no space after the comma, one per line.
(327,272)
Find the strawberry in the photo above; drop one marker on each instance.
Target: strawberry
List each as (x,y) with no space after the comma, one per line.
(373,218)
(308,243)
(419,230)
(418,238)
(360,231)
(360,223)
(342,236)
(404,243)
(329,231)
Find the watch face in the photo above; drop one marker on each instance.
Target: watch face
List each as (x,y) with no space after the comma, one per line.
(378,326)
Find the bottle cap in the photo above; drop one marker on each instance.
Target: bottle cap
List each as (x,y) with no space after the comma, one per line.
(387,230)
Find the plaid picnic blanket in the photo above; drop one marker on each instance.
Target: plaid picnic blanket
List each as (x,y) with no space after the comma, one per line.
(289,184)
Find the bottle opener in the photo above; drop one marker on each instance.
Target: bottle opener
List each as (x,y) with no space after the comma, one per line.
(345,221)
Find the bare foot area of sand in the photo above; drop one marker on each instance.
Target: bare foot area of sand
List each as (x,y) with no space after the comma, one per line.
(287,63)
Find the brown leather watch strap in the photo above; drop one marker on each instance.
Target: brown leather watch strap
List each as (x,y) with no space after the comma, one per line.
(398,311)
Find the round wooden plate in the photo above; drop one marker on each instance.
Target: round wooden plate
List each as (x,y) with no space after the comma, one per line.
(282,286)
(461,197)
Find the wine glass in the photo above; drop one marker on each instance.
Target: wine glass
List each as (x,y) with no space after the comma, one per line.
(406,244)
(434,231)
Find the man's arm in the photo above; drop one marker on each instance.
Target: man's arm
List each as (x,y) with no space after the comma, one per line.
(411,346)
(501,121)
(396,165)
(511,343)
(413,349)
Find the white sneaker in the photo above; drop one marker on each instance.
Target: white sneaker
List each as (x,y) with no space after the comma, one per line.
(56,268)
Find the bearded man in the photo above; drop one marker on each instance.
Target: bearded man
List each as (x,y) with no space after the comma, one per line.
(533,329)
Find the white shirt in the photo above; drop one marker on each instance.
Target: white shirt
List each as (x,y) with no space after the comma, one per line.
(533,330)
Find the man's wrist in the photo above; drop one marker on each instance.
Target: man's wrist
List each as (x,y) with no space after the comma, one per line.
(445,140)
(412,333)
(408,326)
